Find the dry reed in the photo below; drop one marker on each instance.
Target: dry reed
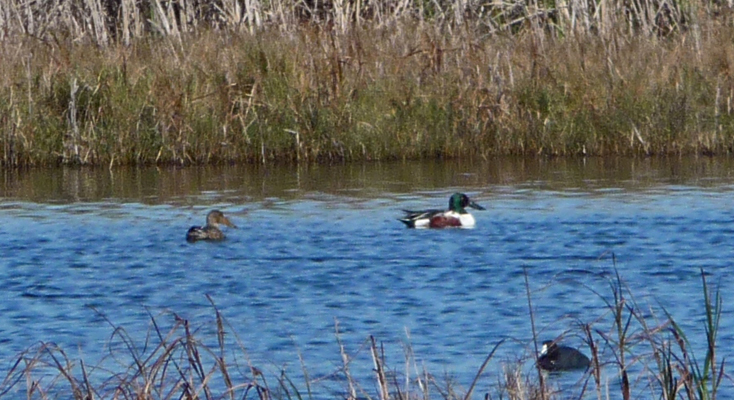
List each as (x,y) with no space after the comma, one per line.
(644,356)
(123,82)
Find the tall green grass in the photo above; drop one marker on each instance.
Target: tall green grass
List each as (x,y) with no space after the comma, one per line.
(159,82)
(635,353)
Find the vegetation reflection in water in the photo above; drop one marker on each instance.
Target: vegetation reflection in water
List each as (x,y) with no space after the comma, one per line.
(238,184)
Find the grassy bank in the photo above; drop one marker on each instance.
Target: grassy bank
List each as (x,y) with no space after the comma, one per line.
(636,350)
(123,82)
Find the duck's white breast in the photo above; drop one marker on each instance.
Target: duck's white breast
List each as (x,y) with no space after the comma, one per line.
(467,220)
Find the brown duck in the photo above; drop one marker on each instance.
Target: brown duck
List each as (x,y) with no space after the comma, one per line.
(211,230)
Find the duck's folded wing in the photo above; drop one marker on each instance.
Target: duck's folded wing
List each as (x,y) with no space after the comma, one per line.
(195,233)
(415,215)
(416,219)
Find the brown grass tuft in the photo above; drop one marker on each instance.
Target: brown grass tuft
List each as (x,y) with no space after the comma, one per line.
(124,82)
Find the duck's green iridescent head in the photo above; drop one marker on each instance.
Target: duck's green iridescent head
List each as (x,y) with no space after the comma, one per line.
(459,201)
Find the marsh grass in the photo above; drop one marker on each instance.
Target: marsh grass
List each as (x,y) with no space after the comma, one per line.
(186,82)
(641,350)
(634,355)
(656,347)
(701,381)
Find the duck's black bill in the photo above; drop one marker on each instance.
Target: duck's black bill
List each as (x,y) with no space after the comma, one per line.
(476,206)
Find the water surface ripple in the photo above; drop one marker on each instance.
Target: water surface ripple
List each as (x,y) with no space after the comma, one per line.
(308,256)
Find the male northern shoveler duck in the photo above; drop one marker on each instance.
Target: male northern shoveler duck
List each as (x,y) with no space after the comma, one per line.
(561,358)
(211,230)
(456,216)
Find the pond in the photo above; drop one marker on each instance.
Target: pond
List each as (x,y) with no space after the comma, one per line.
(319,249)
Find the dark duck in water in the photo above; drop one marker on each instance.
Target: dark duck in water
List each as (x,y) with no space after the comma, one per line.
(561,358)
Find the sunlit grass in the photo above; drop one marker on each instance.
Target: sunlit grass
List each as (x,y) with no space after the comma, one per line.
(277,82)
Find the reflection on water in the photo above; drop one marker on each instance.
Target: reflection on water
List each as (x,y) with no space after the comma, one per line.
(319,244)
(151,185)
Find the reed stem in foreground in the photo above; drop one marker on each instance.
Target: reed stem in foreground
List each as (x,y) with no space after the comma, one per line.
(658,361)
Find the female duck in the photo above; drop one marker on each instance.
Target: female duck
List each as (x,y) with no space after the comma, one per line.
(561,358)
(211,230)
(456,216)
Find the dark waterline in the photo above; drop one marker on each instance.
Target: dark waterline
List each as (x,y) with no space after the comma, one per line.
(192,185)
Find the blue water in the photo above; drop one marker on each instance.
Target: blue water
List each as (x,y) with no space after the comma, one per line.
(304,262)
